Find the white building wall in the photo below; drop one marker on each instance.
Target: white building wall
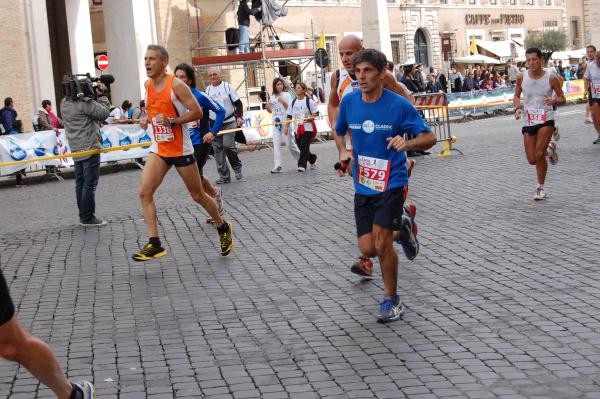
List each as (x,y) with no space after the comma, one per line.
(81,45)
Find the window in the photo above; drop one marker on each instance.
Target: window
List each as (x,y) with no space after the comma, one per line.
(493,2)
(513,2)
(332,51)
(548,2)
(531,2)
(472,1)
(443,1)
(398,49)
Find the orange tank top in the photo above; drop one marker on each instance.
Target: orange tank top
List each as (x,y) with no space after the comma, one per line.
(171,141)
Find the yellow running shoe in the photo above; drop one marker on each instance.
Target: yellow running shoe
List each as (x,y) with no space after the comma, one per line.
(226,239)
(149,252)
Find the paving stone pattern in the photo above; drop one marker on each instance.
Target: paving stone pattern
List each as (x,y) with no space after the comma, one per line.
(502,302)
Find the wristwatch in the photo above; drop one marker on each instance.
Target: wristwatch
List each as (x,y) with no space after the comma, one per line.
(171,121)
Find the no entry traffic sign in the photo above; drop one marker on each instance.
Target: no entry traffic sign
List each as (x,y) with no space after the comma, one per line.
(102,62)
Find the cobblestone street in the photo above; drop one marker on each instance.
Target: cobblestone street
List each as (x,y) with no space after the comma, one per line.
(503,300)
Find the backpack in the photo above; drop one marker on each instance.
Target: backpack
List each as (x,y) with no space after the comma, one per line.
(300,132)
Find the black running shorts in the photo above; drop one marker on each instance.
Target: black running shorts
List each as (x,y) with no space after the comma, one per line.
(594,101)
(7,309)
(201,152)
(533,130)
(384,210)
(179,162)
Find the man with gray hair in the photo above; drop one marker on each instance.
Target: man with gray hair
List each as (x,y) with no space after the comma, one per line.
(224,145)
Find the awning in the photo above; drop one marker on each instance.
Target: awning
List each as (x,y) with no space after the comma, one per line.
(477,59)
(502,48)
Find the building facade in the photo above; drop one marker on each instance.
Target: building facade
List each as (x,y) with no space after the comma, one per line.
(50,38)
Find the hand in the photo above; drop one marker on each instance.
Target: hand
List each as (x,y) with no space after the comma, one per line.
(285,132)
(208,138)
(341,167)
(144,122)
(518,113)
(398,143)
(239,121)
(162,120)
(549,101)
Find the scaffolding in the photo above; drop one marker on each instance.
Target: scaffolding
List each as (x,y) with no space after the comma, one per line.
(269,55)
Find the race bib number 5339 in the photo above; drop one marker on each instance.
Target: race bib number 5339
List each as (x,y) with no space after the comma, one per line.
(373,173)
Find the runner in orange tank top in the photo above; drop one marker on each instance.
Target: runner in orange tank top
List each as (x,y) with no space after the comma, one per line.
(170,105)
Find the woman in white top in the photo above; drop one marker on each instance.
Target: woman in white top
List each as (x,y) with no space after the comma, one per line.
(277,105)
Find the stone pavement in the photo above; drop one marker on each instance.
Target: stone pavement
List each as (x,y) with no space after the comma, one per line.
(503,301)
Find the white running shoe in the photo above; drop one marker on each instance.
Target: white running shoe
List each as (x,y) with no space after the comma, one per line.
(540,194)
(552,153)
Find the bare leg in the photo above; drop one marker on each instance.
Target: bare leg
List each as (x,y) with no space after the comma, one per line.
(595,111)
(541,148)
(208,187)
(35,355)
(191,178)
(388,259)
(153,174)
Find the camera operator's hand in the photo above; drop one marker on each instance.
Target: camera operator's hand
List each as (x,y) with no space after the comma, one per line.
(100,90)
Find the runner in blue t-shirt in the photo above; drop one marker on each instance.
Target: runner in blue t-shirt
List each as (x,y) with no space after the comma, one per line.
(201,133)
(378,119)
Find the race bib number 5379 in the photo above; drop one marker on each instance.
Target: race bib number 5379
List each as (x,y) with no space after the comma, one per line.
(373,173)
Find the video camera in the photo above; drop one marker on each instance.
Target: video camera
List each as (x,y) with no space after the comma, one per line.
(85,85)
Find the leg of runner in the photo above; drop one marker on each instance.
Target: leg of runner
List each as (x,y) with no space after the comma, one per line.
(35,355)
(391,308)
(588,115)
(595,112)
(191,178)
(364,266)
(152,176)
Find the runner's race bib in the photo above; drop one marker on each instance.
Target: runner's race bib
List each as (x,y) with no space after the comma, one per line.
(596,90)
(536,116)
(162,133)
(373,173)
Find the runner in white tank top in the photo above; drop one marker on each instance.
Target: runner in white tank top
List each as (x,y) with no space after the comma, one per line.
(538,86)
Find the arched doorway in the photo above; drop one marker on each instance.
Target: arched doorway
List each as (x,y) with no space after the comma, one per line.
(421,48)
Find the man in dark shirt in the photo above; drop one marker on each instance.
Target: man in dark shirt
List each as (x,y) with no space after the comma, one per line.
(8,115)
(470,83)
(243,18)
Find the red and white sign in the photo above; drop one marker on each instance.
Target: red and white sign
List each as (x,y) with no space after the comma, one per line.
(102,62)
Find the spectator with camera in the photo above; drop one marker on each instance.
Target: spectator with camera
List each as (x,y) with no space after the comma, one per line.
(83,108)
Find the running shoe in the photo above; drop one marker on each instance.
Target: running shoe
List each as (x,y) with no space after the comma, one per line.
(552,153)
(313,161)
(86,388)
(223,181)
(226,239)
(301,169)
(597,141)
(408,234)
(540,194)
(391,309)
(238,175)
(363,267)
(556,134)
(149,252)
(278,169)
(219,199)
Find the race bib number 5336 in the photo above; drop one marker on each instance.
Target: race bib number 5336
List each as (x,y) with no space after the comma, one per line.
(162,133)
(373,173)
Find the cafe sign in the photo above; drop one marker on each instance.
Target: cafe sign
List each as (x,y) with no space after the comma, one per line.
(487,19)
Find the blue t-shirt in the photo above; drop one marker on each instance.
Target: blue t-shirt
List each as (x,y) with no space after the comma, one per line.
(207,104)
(371,124)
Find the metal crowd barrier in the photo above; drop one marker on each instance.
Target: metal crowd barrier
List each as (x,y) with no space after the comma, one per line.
(434,109)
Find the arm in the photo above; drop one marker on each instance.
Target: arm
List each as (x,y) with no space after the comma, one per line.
(390,83)
(556,85)
(183,92)
(98,110)
(517,96)
(239,112)
(334,102)
(423,141)
(207,102)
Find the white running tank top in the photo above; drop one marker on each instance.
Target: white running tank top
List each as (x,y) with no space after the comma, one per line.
(346,84)
(535,110)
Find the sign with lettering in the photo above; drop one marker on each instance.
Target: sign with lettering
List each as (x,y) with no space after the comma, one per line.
(487,19)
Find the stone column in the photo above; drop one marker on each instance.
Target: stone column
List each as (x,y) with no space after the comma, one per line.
(376,26)
(39,61)
(81,45)
(129,28)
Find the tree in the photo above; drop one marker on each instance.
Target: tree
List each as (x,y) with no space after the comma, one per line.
(548,41)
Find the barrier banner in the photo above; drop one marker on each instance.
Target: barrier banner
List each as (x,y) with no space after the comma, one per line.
(258,125)
(35,145)
(471,102)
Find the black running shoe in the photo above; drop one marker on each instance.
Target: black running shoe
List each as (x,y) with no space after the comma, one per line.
(226,239)
(149,252)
